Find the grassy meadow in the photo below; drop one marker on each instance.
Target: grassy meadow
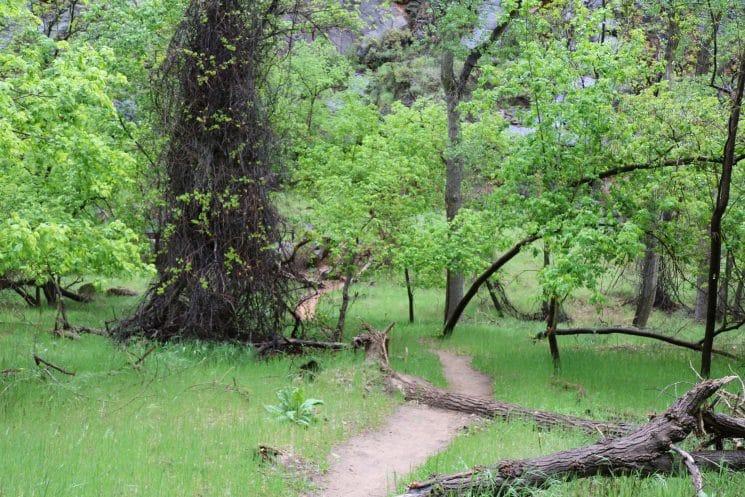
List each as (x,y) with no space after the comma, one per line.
(188,420)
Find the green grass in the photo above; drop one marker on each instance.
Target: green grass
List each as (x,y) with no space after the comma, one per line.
(608,377)
(188,421)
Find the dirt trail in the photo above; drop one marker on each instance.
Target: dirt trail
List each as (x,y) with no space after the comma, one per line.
(368,464)
(306,310)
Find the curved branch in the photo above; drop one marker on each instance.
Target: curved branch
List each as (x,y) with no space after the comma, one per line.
(471,293)
(685,161)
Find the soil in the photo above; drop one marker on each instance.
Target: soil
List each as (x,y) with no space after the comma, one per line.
(368,464)
(306,310)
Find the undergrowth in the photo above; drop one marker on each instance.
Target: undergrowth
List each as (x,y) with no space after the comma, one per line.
(189,417)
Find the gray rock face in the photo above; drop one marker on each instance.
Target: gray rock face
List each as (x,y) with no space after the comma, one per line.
(491,14)
(378,17)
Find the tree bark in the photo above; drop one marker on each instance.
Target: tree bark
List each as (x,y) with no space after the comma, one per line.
(409,294)
(723,190)
(294,344)
(672,43)
(422,392)
(645,449)
(738,312)
(553,344)
(453,171)
(723,296)
(665,298)
(339,334)
(50,292)
(494,299)
(702,296)
(648,287)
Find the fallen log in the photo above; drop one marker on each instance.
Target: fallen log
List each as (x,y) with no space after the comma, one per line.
(420,391)
(296,344)
(375,344)
(624,330)
(722,425)
(77,297)
(645,450)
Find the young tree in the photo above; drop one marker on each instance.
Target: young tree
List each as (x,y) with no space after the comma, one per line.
(367,179)
(724,185)
(67,174)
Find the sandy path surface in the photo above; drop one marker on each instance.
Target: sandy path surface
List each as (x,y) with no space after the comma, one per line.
(306,310)
(368,464)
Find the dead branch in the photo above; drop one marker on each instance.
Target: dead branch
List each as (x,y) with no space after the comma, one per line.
(690,463)
(627,330)
(375,344)
(142,358)
(39,361)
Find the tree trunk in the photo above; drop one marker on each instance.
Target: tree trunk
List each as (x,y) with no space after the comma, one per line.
(702,292)
(216,279)
(738,312)
(645,449)
(546,304)
(453,172)
(553,344)
(61,323)
(648,285)
(703,57)
(339,335)
(665,298)
(494,299)
(672,44)
(50,292)
(723,296)
(409,294)
(723,189)
(702,297)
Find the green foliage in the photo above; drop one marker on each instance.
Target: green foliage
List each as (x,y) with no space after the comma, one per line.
(369,176)
(313,71)
(294,406)
(68,176)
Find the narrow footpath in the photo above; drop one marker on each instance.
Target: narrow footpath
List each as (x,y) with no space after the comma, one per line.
(368,464)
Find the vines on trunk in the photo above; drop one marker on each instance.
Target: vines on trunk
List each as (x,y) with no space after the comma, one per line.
(220,275)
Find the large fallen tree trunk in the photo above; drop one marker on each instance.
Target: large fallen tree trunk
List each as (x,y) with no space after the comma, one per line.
(646,450)
(631,331)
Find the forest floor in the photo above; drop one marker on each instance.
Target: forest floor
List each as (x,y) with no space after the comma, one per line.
(189,418)
(368,464)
